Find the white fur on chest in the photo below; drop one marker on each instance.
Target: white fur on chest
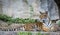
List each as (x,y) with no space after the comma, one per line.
(47,22)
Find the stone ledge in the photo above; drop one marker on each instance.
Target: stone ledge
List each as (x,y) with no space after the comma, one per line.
(33,33)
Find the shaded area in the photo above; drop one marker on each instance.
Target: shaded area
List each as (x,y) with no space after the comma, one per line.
(58,3)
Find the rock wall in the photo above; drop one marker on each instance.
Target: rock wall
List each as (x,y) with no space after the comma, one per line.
(0,7)
(22,8)
(19,8)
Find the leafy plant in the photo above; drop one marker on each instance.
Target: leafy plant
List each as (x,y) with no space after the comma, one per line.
(16,20)
(38,33)
(58,22)
(31,11)
(25,1)
(5,18)
(29,33)
(24,33)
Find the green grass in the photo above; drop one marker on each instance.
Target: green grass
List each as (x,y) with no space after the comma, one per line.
(24,33)
(31,33)
(38,33)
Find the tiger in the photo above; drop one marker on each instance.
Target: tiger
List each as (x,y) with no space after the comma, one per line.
(33,26)
(39,27)
(45,25)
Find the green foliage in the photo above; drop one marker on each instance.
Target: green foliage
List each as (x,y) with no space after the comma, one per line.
(14,0)
(24,33)
(58,22)
(31,8)
(32,33)
(31,11)
(5,18)
(38,33)
(25,1)
(29,33)
(16,20)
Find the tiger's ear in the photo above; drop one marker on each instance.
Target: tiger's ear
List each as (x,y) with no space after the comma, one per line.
(40,12)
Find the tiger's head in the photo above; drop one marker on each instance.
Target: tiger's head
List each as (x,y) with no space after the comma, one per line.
(43,15)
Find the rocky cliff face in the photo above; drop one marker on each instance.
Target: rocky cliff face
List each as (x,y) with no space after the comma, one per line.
(19,8)
(29,8)
(0,6)
(58,3)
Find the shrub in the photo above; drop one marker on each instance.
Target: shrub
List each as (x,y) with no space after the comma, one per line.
(16,20)
(58,22)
